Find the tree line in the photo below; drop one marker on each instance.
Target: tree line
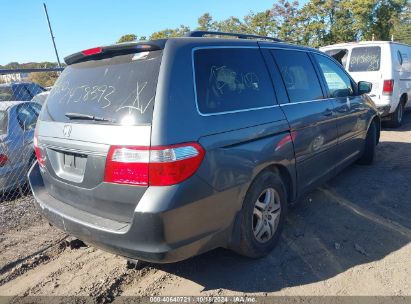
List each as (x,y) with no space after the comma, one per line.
(316,23)
(45,79)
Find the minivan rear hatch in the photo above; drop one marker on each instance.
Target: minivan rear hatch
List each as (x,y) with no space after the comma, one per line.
(101,99)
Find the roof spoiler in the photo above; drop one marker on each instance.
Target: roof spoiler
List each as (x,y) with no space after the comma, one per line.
(115,50)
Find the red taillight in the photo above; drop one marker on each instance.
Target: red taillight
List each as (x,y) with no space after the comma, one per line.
(39,153)
(3,159)
(93,51)
(127,165)
(155,166)
(388,87)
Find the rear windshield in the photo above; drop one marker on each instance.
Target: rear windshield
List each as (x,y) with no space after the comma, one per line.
(6,93)
(120,89)
(365,59)
(3,122)
(338,54)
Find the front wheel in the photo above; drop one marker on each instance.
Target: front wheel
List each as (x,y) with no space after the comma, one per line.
(263,215)
(367,157)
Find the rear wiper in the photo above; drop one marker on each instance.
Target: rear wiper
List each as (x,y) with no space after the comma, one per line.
(87,117)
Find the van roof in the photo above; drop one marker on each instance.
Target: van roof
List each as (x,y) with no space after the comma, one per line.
(362,43)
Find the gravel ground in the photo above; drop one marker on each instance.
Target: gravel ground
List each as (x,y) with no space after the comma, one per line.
(349,237)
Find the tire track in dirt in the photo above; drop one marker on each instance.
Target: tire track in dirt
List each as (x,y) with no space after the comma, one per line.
(16,268)
(85,271)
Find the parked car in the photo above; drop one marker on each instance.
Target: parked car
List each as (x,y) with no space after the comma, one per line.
(20,91)
(17,122)
(161,150)
(41,97)
(384,63)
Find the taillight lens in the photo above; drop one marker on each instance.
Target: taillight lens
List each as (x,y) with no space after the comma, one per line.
(388,87)
(155,166)
(127,165)
(39,153)
(3,159)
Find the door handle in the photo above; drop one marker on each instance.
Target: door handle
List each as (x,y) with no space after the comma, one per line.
(328,112)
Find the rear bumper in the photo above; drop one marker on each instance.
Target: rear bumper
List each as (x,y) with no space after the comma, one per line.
(164,229)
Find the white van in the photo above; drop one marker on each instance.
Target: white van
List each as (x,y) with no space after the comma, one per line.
(387,65)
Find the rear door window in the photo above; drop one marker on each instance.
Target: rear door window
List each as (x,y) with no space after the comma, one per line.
(338,82)
(121,89)
(365,59)
(298,75)
(231,79)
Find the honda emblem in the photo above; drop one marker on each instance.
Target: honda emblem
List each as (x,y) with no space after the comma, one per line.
(67,131)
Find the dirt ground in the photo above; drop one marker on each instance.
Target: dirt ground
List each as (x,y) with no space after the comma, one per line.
(349,237)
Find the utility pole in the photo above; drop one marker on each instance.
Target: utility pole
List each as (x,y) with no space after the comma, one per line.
(51,34)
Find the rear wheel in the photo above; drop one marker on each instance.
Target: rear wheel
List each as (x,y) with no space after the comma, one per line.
(367,157)
(263,215)
(397,116)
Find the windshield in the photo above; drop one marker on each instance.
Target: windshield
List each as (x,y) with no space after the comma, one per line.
(365,59)
(120,89)
(6,94)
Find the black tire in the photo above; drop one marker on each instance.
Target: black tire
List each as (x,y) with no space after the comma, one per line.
(249,245)
(367,157)
(397,117)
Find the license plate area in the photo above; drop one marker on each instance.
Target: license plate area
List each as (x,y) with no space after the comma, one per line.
(74,163)
(68,165)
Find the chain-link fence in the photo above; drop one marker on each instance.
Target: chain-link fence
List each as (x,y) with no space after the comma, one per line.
(22,94)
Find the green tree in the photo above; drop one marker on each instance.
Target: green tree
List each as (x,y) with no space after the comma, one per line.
(387,13)
(167,33)
(231,25)
(262,23)
(206,23)
(285,14)
(317,23)
(127,38)
(362,15)
(402,25)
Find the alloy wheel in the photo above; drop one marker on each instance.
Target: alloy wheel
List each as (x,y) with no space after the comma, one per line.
(266,215)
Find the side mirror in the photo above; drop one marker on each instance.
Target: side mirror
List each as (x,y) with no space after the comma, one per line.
(364,87)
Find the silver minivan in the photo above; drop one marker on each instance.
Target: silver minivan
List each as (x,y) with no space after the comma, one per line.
(161,150)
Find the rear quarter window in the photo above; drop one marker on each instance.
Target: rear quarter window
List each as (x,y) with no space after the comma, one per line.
(365,59)
(231,79)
